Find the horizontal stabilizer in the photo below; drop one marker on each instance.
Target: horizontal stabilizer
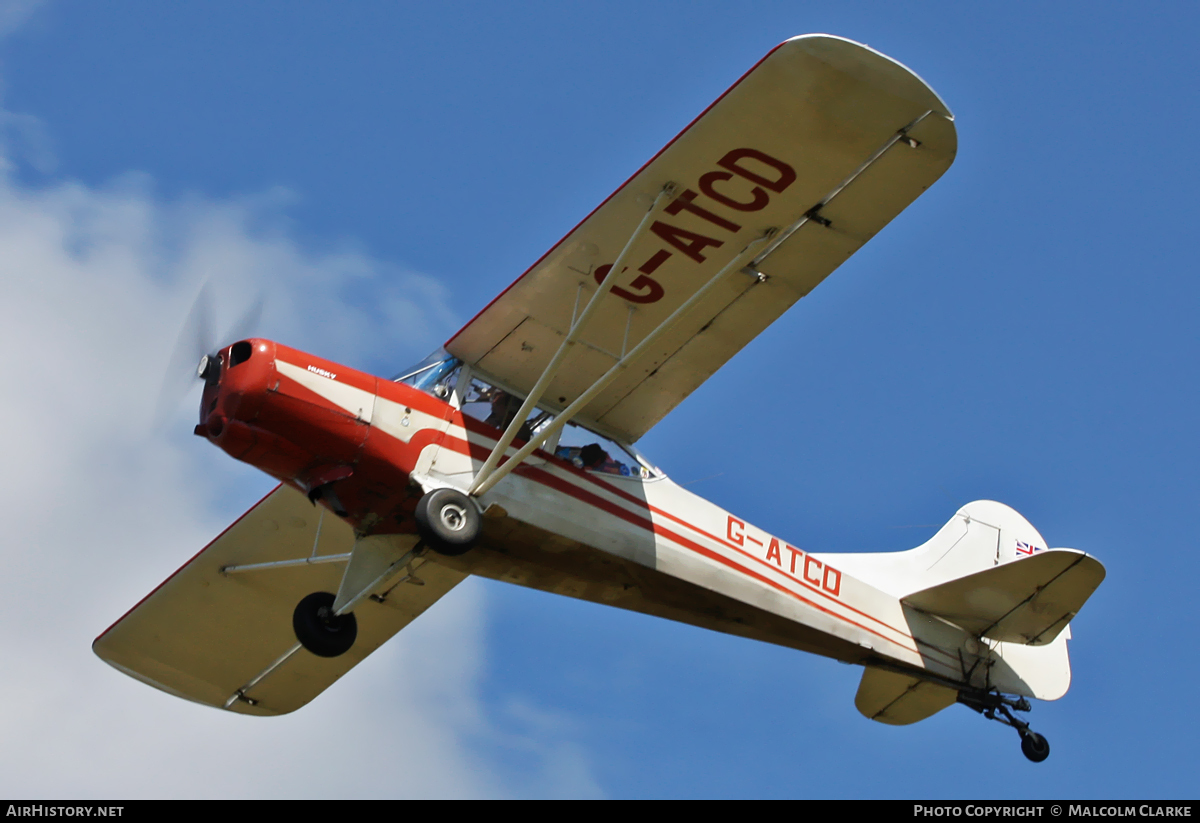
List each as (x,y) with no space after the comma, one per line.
(1028,601)
(898,699)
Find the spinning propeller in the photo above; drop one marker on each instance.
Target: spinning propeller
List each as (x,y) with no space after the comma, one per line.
(195,353)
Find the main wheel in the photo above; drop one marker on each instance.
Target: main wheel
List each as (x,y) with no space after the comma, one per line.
(1035,747)
(319,630)
(448,521)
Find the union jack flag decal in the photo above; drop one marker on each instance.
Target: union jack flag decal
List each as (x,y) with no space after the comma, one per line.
(1025,548)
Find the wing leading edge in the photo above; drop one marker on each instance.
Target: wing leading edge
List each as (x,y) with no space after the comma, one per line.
(816,148)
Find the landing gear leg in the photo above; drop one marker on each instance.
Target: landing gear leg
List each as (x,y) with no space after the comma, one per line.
(1033,745)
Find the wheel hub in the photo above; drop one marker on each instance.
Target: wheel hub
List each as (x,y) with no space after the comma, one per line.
(454,517)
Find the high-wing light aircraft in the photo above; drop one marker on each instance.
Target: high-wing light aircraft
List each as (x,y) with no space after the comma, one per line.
(509,453)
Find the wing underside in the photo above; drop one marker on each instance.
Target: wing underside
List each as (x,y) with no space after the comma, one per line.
(225,638)
(796,166)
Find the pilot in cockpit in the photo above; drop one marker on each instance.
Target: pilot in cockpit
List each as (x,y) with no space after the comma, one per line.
(592,457)
(504,406)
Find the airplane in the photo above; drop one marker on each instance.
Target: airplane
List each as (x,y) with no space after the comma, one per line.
(510,452)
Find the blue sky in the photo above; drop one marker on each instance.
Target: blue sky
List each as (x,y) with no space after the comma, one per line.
(1025,332)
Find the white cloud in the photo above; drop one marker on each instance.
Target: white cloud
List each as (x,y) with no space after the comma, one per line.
(98,509)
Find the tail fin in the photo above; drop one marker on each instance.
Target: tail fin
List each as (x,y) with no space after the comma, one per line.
(982,535)
(1017,615)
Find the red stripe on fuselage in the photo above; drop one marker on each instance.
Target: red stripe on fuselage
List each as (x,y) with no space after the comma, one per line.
(730,562)
(806,584)
(546,478)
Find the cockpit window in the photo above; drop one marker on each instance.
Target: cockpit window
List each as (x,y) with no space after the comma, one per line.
(435,375)
(590,451)
(494,406)
(497,408)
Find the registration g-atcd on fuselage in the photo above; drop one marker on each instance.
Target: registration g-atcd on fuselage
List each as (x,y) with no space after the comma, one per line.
(509,454)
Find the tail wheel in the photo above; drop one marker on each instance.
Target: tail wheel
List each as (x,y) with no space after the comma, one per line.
(449,521)
(1035,747)
(995,706)
(319,630)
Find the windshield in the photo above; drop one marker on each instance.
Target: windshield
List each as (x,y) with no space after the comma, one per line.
(435,375)
(494,406)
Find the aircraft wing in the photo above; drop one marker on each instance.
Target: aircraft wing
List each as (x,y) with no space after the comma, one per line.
(824,141)
(225,638)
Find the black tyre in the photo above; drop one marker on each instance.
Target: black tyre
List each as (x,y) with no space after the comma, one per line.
(1035,747)
(448,521)
(321,631)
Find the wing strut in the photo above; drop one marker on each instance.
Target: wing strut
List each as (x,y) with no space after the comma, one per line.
(814,214)
(539,388)
(354,590)
(491,472)
(484,482)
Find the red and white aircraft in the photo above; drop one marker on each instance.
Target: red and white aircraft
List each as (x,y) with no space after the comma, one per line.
(509,453)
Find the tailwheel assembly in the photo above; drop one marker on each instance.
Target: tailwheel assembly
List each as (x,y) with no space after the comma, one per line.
(448,521)
(320,630)
(1035,747)
(1000,708)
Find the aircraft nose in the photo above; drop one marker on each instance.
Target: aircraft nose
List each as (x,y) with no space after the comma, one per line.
(209,369)
(236,381)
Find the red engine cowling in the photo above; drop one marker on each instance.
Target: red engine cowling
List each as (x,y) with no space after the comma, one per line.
(306,421)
